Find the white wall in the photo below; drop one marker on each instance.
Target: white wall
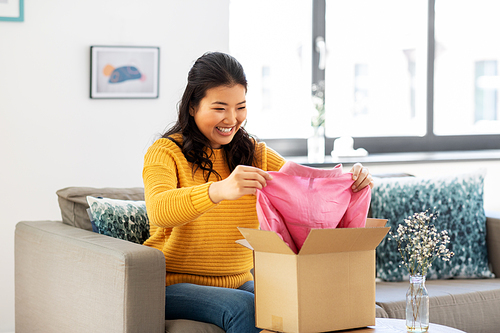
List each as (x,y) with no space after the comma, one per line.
(52,135)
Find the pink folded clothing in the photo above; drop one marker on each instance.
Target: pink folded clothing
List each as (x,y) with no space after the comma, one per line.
(301,198)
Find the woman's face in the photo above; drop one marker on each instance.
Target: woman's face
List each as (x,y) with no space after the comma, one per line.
(220,114)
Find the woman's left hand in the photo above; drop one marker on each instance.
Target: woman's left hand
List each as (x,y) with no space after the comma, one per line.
(361,177)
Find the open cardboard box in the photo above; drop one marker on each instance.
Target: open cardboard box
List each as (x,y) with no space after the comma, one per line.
(329,285)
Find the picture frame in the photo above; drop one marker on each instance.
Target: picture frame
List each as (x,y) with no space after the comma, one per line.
(124,71)
(12,10)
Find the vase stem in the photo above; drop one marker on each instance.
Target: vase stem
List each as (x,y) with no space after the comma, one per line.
(316,146)
(417,305)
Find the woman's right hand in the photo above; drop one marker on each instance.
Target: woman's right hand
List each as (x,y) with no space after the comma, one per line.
(242,181)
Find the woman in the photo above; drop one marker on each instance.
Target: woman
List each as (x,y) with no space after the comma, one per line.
(200,179)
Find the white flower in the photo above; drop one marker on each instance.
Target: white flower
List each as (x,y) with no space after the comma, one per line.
(419,242)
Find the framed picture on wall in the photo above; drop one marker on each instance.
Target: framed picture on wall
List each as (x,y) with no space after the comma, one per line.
(12,10)
(124,71)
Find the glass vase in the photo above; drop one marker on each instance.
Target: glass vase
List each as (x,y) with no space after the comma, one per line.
(316,146)
(417,305)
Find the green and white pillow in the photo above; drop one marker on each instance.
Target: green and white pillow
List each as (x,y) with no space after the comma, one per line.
(123,219)
(459,201)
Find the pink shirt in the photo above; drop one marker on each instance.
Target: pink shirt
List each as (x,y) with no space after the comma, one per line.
(301,198)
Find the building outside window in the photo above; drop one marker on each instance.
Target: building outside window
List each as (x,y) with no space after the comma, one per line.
(486,92)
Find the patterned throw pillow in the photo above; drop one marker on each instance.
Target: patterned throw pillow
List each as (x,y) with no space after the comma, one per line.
(123,219)
(459,201)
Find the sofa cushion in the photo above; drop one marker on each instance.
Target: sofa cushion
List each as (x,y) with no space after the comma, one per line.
(191,326)
(183,326)
(123,219)
(459,201)
(73,202)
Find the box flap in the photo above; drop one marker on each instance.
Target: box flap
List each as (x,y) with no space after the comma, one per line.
(342,240)
(372,223)
(265,241)
(245,243)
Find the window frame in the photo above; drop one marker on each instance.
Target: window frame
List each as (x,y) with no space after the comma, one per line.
(394,144)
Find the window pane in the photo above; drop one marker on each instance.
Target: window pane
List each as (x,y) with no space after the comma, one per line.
(272,40)
(376,68)
(466,81)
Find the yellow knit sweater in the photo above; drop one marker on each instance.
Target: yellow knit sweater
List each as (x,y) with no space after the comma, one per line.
(197,236)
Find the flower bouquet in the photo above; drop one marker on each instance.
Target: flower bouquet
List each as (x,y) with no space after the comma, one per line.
(318,99)
(419,244)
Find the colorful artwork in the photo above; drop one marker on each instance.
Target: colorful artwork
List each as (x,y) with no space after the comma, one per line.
(124,72)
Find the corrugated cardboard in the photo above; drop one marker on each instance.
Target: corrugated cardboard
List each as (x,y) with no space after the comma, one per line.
(329,285)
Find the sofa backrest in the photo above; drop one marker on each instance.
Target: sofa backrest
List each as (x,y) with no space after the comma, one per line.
(493,240)
(73,202)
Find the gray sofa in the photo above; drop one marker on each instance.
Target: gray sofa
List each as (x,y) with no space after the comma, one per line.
(70,279)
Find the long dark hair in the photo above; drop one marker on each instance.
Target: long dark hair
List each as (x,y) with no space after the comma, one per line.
(211,70)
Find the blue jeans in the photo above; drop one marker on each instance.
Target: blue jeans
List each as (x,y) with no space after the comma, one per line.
(233,310)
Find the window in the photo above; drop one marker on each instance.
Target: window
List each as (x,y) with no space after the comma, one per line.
(466,80)
(485,93)
(399,76)
(271,39)
(375,73)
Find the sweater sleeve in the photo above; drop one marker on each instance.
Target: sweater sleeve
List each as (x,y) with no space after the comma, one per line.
(169,205)
(270,159)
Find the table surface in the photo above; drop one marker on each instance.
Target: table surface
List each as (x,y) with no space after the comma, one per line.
(386,325)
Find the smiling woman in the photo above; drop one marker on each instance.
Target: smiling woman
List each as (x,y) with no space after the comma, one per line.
(220,113)
(200,181)
(211,81)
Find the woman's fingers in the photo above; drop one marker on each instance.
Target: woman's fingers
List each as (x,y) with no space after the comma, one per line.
(356,168)
(253,170)
(255,177)
(242,181)
(361,177)
(368,181)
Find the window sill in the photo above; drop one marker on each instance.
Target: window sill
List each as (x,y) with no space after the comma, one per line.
(399,158)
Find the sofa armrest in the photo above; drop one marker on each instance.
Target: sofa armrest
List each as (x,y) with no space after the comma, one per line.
(493,240)
(73,280)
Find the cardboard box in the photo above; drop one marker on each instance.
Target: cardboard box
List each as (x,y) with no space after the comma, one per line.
(329,285)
